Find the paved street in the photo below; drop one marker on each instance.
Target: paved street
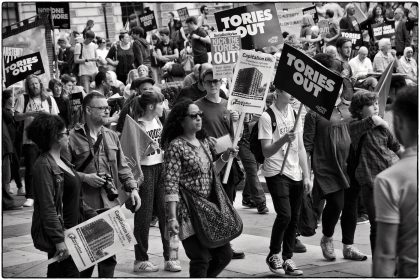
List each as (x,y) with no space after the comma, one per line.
(19,254)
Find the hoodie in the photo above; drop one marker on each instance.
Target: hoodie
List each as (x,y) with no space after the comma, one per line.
(141,52)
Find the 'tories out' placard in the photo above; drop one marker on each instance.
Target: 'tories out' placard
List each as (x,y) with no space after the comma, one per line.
(225,48)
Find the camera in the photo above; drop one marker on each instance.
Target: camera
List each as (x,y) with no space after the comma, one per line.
(110,189)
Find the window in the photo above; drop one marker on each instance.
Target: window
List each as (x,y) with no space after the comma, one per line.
(130,8)
(9,13)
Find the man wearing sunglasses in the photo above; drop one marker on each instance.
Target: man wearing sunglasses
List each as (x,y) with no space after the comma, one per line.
(96,150)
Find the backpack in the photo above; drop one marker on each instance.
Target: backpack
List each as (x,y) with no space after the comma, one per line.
(75,66)
(255,143)
(26,101)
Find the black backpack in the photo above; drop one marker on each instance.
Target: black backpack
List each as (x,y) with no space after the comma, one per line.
(255,143)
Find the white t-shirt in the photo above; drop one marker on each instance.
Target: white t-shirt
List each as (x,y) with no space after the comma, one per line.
(272,165)
(89,52)
(154,130)
(34,105)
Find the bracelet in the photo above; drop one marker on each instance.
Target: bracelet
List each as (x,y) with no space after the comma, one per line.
(171,220)
(221,157)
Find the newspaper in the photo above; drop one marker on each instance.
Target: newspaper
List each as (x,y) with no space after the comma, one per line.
(99,238)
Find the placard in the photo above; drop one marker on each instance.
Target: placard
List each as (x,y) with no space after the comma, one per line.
(60,12)
(148,21)
(383,30)
(183,14)
(251,81)
(76,111)
(19,68)
(99,238)
(257,25)
(310,82)
(312,11)
(356,38)
(225,48)
(291,21)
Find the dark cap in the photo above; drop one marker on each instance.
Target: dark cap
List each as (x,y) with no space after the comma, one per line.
(137,82)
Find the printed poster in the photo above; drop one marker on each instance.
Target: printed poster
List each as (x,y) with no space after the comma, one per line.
(383,30)
(251,81)
(19,68)
(148,21)
(291,21)
(258,25)
(99,238)
(225,48)
(355,37)
(310,82)
(312,11)
(60,12)
(183,14)
(76,111)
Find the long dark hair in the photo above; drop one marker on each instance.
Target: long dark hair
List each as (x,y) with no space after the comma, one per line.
(173,128)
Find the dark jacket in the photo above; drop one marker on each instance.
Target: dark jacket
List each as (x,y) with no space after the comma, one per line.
(48,182)
(141,52)
(346,24)
(402,38)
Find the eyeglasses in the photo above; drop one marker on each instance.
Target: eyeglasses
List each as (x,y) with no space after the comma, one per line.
(209,82)
(102,108)
(65,132)
(196,115)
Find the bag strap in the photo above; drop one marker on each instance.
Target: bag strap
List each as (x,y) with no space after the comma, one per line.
(93,150)
(270,112)
(81,51)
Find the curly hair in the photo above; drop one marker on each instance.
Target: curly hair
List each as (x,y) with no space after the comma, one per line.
(43,95)
(360,99)
(172,127)
(44,130)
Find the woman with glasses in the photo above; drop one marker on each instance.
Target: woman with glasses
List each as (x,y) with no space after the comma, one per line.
(189,156)
(57,193)
(101,51)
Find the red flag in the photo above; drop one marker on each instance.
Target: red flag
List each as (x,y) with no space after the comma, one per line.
(134,142)
(383,87)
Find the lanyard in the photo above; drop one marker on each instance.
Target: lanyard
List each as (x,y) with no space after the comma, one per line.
(96,147)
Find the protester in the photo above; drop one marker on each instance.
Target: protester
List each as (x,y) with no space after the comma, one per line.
(361,66)
(141,47)
(132,75)
(408,66)
(75,94)
(101,51)
(333,29)
(85,55)
(376,142)
(64,56)
(402,36)
(121,56)
(395,197)
(349,21)
(202,18)
(306,33)
(189,165)
(285,189)
(344,49)
(166,50)
(63,102)
(180,38)
(57,195)
(89,25)
(199,40)
(383,57)
(193,77)
(155,66)
(110,163)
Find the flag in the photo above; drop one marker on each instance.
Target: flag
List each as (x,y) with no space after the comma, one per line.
(383,86)
(134,142)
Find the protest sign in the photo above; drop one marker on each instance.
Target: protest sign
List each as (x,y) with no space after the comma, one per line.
(148,21)
(383,30)
(312,11)
(257,25)
(324,27)
(359,14)
(19,68)
(291,21)
(60,12)
(183,14)
(310,82)
(251,80)
(99,238)
(355,37)
(76,111)
(27,40)
(225,48)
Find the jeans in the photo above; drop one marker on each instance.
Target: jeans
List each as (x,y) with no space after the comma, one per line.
(63,269)
(367,193)
(30,154)
(287,199)
(106,269)
(253,189)
(205,262)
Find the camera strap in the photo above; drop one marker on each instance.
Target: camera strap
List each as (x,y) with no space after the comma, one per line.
(93,149)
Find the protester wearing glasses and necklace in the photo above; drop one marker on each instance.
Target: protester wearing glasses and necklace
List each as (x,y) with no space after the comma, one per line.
(189,159)
(57,193)
(218,122)
(98,157)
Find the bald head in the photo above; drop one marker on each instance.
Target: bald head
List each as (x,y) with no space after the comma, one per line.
(363,52)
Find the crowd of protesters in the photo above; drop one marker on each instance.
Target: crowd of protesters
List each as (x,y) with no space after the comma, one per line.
(163,80)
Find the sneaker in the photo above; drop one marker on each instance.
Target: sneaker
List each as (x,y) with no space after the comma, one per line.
(237,255)
(327,247)
(21,192)
(275,264)
(29,202)
(352,253)
(172,266)
(290,268)
(154,221)
(249,203)
(363,219)
(262,208)
(144,266)
(299,247)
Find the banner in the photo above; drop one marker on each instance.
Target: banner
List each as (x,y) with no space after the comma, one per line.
(310,82)
(383,30)
(60,12)
(291,21)
(257,25)
(225,48)
(356,38)
(183,14)
(148,21)
(18,69)
(99,238)
(251,81)
(312,11)
(27,42)
(324,27)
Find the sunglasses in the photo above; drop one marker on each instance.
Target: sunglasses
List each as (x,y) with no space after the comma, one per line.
(196,115)
(65,132)
(209,82)
(103,108)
